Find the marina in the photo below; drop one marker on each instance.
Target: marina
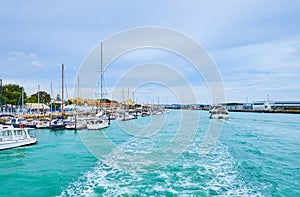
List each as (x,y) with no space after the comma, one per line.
(146,151)
(161,98)
(246,161)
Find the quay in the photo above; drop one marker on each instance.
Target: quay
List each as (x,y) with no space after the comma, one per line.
(287,111)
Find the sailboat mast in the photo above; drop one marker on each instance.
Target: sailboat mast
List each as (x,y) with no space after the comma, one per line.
(101,90)
(77,91)
(51,97)
(62,91)
(38,95)
(22,100)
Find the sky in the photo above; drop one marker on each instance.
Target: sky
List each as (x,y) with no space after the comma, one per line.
(254,44)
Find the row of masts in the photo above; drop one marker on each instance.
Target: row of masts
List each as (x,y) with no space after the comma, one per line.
(62,85)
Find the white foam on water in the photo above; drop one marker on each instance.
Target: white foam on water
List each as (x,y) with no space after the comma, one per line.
(226,179)
(99,177)
(213,174)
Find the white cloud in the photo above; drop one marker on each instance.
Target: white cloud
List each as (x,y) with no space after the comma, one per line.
(261,69)
(261,58)
(23,61)
(25,69)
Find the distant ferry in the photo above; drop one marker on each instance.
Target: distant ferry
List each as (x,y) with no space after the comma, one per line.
(218,112)
(11,137)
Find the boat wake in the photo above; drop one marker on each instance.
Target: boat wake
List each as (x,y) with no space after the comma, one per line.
(190,175)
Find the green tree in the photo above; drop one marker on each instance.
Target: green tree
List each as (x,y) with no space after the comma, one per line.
(44,97)
(55,106)
(11,94)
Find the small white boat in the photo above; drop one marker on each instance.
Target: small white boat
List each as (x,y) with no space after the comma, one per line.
(43,124)
(57,123)
(124,116)
(218,112)
(69,119)
(31,123)
(157,112)
(146,113)
(97,124)
(11,137)
(79,124)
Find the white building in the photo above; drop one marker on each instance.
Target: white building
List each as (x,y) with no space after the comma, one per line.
(36,107)
(233,106)
(268,105)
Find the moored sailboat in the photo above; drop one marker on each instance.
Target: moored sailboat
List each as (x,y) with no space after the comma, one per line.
(43,123)
(57,123)
(97,124)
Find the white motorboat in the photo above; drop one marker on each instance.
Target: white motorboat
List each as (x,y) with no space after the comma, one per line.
(57,123)
(78,124)
(218,112)
(96,124)
(146,113)
(31,123)
(42,124)
(11,137)
(69,119)
(124,116)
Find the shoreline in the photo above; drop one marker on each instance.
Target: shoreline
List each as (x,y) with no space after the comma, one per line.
(254,111)
(269,111)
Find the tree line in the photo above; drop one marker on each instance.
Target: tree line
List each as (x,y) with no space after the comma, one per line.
(12,94)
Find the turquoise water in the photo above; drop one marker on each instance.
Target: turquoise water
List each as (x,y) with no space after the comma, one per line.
(256,155)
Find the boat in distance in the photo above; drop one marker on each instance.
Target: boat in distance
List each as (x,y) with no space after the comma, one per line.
(78,124)
(218,112)
(97,124)
(57,123)
(11,137)
(42,124)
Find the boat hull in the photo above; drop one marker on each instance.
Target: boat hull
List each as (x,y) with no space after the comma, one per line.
(57,127)
(57,124)
(219,117)
(43,125)
(72,126)
(96,126)
(17,143)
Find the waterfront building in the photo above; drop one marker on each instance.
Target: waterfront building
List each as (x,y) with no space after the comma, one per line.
(233,106)
(286,104)
(275,105)
(34,108)
(248,106)
(262,105)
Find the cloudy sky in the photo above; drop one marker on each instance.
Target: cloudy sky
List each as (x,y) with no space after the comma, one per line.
(254,44)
